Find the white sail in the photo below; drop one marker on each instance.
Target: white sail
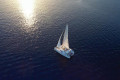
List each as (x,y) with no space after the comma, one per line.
(59,42)
(63,48)
(65,39)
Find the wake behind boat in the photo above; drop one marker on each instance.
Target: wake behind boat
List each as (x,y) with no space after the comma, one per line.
(63,48)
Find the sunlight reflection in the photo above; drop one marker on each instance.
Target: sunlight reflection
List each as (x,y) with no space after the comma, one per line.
(27,8)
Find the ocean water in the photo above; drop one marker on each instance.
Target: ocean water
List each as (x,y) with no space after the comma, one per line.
(30,29)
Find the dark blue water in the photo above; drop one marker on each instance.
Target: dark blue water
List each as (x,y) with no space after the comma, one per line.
(30,29)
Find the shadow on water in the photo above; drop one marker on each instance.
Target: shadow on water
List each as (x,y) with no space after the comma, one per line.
(62,58)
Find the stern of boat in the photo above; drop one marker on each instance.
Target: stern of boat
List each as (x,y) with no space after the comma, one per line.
(71,52)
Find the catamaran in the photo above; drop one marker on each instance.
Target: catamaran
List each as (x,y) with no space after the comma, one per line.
(63,48)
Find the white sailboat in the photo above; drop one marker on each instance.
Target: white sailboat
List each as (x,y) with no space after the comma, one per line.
(63,48)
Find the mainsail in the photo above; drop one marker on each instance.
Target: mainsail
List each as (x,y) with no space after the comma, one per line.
(59,42)
(65,39)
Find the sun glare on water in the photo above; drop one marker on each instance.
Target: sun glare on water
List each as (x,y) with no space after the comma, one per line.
(27,9)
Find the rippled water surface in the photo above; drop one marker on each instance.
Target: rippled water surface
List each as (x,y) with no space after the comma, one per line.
(29,30)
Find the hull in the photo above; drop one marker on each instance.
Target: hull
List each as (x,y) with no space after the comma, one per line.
(64,53)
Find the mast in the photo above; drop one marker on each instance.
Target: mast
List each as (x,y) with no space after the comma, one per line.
(65,39)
